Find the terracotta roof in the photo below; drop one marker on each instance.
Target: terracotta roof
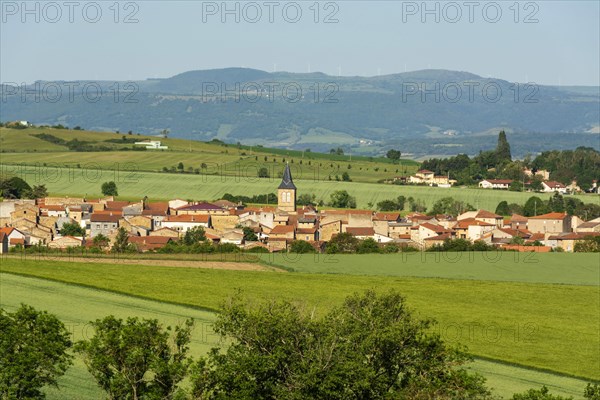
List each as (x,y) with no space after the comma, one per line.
(282,229)
(573,235)
(360,231)
(435,228)
(381,216)
(306,230)
(518,218)
(203,219)
(515,232)
(105,217)
(53,207)
(534,249)
(554,185)
(116,205)
(2,236)
(150,242)
(465,223)
(552,215)
(7,230)
(487,214)
(443,236)
(425,171)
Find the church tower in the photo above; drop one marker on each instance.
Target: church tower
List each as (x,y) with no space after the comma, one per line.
(286,192)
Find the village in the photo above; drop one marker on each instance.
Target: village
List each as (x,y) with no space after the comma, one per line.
(152,225)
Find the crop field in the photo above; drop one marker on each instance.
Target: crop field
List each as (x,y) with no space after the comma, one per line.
(76,306)
(17,147)
(164,186)
(557,268)
(547,326)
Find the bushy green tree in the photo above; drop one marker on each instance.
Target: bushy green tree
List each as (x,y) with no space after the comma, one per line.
(502,149)
(502,208)
(33,352)
(193,236)
(534,206)
(448,205)
(342,199)
(301,247)
(137,359)
(538,394)
(14,188)
(72,229)
(342,243)
(109,189)
(368,245)
(249,235)
(393,154)
(371,347)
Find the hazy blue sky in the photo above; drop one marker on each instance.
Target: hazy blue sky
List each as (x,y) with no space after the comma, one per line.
(369,38)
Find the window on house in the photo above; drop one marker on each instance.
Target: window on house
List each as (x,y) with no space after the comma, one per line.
(105,226)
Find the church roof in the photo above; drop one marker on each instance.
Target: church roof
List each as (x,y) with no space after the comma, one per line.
(286,181)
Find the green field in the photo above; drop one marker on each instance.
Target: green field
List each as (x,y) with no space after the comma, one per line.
(76,305)
(18,145)
(164,186)
(558,268)
(547,326)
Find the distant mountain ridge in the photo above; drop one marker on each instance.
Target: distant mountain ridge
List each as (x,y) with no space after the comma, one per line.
(428,112)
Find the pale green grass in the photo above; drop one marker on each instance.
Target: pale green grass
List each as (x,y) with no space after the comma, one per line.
(135,184)
(76,305)
(547,326)
(561,268)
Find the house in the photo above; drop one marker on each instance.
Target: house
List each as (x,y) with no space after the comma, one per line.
(167,232)
(518,221)
(152,145)
(286,232)
(148,243)
(361,232)
(427,177)
(185,222)
(307,234)
(553,186)
(64,242)
(588,227)
(554,222)
(201,208)
(568,240)
(234,236)
(483,216)
(14,236)
(437,240)
(104,223)
(473,229)
(542,173)
(495,183)
(330,228)
(3,243)
(428,230)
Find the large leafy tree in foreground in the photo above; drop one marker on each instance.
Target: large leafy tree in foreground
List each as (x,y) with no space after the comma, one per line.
(33,352)
(137,359)
(371,347)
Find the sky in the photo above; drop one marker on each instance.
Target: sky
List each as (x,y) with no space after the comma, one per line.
(546,42)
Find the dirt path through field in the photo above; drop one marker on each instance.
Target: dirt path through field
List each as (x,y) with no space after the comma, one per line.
(227,265)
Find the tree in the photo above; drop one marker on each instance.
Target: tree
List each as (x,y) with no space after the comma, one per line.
(164,133)
(515,186)
(14,188)
(341,199)
(556,203)
(502,149)
(72,229)
(370,347)
(37,192)
(33,352)
(346,177)
(121,244)
(448,205)
(503,208)
(109,189)
(100,241)
(536,184)
(342,243)
(263,172)
(249,235)
(301,247)
(306,199)
(137,359)
(369,245)
(592,392)
(180,167)
(534,206)
(541,394)
(194,236)
(589,244)
(393,155)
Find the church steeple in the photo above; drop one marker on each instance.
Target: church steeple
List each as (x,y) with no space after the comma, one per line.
(286,192)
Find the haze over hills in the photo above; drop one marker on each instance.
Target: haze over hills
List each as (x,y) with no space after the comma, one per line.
(428,112)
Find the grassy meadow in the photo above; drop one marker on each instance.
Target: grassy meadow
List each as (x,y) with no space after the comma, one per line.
(547,326)
(18,145)
(163,186)
(555,268)
(76,306)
